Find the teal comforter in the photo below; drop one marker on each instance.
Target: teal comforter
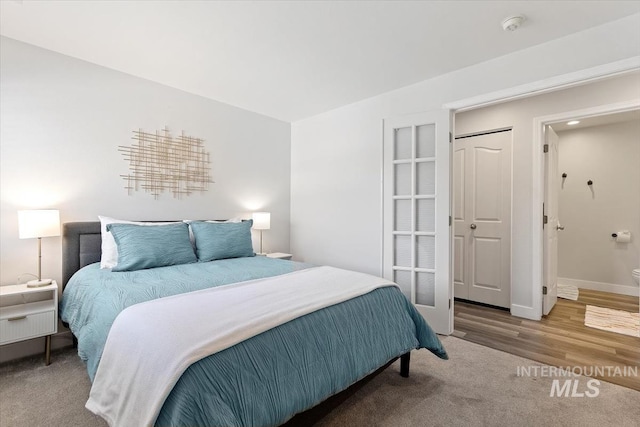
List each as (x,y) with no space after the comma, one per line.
(269,378)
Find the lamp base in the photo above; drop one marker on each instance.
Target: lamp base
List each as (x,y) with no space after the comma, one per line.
(38,283)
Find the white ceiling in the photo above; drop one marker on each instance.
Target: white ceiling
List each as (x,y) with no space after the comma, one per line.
(605,119)
(294,59)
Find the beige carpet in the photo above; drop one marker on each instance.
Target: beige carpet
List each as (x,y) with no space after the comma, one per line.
(607,319)
(478,386)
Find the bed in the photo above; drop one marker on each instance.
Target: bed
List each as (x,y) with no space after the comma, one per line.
(263,379)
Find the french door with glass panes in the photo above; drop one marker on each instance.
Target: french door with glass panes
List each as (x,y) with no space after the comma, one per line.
(416,198)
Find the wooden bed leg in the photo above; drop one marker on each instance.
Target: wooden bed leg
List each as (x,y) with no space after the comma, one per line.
(47,350)
(404,364)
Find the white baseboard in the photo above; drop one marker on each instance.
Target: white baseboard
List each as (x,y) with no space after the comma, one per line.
(600,286)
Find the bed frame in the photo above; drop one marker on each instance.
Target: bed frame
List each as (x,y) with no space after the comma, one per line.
(82,245)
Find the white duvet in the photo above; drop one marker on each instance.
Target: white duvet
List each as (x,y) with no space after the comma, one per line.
(151,344)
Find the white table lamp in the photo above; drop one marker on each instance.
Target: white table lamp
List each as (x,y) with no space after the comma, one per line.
(261,221)
(38,224)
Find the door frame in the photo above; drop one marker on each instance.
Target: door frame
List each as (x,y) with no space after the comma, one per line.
(539,178)
(551,84)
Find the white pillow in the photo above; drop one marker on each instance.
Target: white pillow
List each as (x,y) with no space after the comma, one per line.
(213,220)
(109,258)
(228,220)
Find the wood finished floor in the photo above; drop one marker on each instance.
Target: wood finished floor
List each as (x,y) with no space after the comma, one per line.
(559,339)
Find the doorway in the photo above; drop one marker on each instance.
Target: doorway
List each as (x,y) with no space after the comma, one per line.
(562,335)
(526,117)
(599,195)
(598,115)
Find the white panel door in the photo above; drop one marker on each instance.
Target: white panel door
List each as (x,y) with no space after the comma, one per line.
(550,229)
(417,208)
(482,218)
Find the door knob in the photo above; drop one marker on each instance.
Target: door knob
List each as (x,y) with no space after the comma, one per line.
(560,227)
(473,226)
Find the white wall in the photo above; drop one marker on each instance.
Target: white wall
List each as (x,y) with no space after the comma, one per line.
(336,156)
(609,156)
(62,121)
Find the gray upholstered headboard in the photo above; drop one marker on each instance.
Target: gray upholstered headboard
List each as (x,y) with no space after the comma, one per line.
(81,245)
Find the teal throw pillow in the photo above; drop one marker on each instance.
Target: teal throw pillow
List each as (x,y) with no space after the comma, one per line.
(220,240)
(149,246)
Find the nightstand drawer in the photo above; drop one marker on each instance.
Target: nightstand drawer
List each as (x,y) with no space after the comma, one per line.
(29,326)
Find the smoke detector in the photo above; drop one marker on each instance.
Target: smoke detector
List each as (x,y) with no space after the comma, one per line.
(512,23)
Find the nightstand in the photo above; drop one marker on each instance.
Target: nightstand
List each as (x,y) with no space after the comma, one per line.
(27,313)
(279,255)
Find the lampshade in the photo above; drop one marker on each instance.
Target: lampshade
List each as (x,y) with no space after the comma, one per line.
(38,223)
(261,220)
